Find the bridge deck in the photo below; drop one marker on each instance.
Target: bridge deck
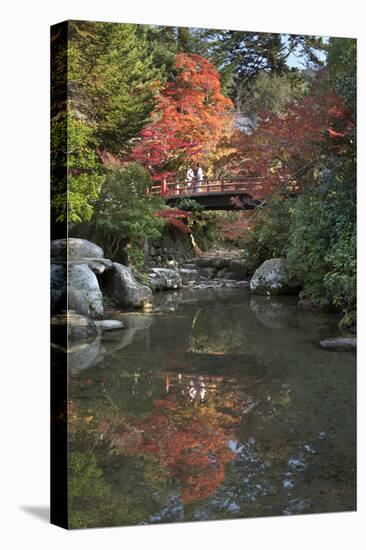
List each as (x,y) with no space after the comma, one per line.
(214,194)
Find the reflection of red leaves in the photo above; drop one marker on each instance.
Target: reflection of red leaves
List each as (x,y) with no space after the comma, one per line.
(333,133)
(193,450)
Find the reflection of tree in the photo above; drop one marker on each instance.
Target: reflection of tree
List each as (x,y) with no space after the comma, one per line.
(189,444)
(163,450)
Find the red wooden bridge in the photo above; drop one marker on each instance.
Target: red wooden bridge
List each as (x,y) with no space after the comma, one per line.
(215,194)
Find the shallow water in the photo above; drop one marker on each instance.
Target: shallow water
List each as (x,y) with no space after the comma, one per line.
(214,405)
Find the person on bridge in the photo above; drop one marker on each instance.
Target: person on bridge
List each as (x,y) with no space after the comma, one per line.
(189,176)
(199,176)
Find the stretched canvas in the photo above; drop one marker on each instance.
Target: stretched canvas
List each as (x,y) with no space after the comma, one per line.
(203,274)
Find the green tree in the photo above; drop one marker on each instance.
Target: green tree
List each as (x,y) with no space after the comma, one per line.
(111,88)
(241,56)
(271,92)
(341,68)
(124,213)
(112,82)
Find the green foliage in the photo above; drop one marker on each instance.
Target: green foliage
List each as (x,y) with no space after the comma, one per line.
(271,92)
(316,232)
(341,66)
(125,213)
(322,245)
(270,235)
(85,173)
(189,204)
(111,88)
(111,81)
(241,56)
(205,229)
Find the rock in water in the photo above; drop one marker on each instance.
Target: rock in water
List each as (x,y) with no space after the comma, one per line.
(71,249)
(78,328)
(165,279)
(109,324)
(189,275)
(120,284)
(58,288)
(272,278)
(340,344)
(84,295)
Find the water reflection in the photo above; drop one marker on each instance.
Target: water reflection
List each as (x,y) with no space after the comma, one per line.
(225,407)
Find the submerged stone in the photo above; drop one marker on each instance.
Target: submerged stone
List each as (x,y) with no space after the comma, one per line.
(340,344)
(109,324)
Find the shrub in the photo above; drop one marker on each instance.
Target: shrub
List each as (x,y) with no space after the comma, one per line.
(316,232)
(125,213)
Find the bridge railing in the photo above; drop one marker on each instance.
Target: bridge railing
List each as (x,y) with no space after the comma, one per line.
(248,184)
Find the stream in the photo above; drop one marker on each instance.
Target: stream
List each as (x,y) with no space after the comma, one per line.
(216,404)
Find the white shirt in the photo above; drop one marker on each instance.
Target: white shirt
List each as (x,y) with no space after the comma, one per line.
(190,175)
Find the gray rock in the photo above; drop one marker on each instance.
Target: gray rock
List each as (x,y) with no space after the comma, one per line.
(109,324)
(225,273)
(203,262)
(165,279)
(239,267)
(207,272)
(96,267)
(120,284)
(231,275)
(188,266)
(58,288)
(189,275)
(340,344)
(84,295)
(69,249)
(100,265)
(76,327)
(220,262)
(272,278)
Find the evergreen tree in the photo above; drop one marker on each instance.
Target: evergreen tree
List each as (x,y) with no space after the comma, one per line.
(112,85)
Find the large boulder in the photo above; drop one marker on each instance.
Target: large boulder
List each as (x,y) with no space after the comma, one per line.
(84,295)
(100,265)
(76,327)
(72,248)
(165,279)
(58,288)
(272,278)
(120,285)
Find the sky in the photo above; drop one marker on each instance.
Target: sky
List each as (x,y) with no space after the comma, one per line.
(297,60)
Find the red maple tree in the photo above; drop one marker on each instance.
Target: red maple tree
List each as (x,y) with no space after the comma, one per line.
(283,146)
(188,121)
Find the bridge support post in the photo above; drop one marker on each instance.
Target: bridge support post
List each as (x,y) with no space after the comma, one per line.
(163,188)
